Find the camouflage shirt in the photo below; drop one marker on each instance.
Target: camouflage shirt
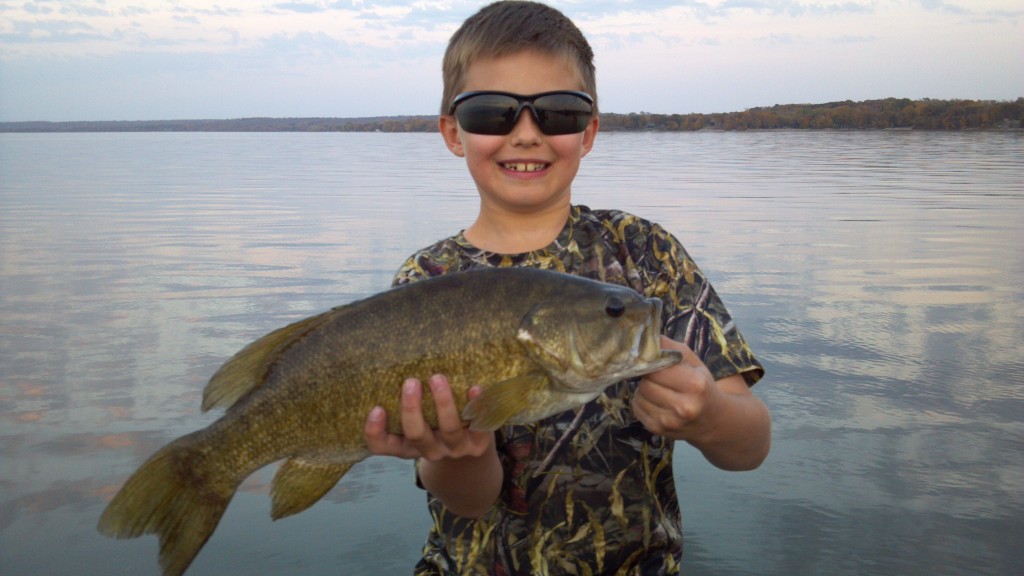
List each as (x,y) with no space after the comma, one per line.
(588,491)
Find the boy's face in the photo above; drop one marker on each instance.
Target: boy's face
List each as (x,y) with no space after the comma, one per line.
(524,171)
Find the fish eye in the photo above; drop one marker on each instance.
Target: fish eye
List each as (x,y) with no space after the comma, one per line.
(615,307)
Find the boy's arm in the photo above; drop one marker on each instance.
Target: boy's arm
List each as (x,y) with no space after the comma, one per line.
(457,465)
(721,418)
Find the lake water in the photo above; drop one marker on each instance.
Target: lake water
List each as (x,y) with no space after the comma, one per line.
(878,275)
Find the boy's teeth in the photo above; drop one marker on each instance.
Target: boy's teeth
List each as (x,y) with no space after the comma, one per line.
(524,166)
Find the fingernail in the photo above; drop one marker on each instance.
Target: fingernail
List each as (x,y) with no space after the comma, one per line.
(409,387)
(376,414)
(437,381)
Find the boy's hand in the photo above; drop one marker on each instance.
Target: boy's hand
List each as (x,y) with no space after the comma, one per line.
(674,402)
(451,439)
(721,418)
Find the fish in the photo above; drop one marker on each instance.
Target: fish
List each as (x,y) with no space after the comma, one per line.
(537,342)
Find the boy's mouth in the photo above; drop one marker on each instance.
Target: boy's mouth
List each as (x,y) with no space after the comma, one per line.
(524,166)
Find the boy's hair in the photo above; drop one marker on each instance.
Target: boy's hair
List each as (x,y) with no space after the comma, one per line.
(508,27)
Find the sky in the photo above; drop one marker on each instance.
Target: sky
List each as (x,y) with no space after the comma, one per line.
(66,60)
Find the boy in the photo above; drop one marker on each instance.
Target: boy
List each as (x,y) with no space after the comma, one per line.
(588,491)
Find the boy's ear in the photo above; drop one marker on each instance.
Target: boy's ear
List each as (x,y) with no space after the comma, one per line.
(450,132)
(589,135)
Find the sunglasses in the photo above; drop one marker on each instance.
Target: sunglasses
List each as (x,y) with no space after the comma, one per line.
(495,113)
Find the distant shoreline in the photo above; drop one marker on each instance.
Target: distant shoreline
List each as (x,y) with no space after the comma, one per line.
(885,114)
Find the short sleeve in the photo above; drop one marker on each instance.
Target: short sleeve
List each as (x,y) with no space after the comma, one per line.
(693,313)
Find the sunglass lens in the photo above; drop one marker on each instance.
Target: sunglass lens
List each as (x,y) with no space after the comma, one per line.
(487,114)
(562,114)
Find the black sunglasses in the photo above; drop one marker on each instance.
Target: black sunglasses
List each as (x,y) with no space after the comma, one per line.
(495,113)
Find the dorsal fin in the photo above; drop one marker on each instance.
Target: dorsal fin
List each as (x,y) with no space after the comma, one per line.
(247,370)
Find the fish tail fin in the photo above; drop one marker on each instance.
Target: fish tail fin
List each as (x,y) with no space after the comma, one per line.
(168,496)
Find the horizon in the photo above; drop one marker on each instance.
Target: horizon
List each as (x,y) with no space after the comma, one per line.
(421,116)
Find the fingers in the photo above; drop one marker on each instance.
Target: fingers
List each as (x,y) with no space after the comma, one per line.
(663,410)
(374,429)
(449,421)
(681,376)
(379,441)
(409,444)
(478,441)
(669,400)
(414,427)
(689,357)
(450,438)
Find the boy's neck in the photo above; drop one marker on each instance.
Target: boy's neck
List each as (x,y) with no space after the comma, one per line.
(509,232)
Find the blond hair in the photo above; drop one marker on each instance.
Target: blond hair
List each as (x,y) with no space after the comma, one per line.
(509,27)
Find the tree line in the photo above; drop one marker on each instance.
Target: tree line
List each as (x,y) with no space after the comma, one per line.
(888,113)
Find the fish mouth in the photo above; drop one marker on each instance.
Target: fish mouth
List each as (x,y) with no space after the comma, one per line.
(647,341)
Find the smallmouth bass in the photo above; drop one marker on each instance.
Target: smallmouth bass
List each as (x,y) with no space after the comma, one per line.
(537,342)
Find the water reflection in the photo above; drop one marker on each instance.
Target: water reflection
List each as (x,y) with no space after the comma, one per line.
(877,275)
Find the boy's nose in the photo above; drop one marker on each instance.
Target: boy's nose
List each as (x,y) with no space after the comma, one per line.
(526,127)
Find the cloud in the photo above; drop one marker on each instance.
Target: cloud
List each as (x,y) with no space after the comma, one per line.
(317,45)
(851,39)
(302,7)
(940,5)
(40,28)
(38,8)
(48,29)
(42,31)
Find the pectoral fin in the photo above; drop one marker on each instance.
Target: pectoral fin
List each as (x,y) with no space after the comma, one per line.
(504,401)
(300,483)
